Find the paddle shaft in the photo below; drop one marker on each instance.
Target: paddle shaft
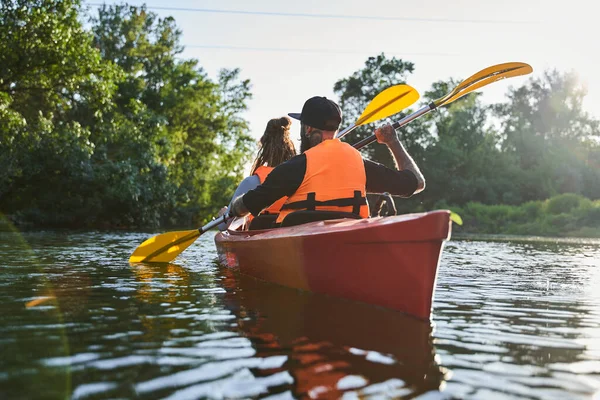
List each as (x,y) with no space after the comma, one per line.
(215,222)
(397,125)
(346,131)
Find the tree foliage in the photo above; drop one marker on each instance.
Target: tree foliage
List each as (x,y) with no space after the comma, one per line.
(356,91)
(110,126)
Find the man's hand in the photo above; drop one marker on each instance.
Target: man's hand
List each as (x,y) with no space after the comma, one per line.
(386,134)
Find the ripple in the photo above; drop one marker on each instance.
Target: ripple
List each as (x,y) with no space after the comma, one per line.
(242,384)
(206,372)
(121,362)
(218,353)
(91,389)
(64,361)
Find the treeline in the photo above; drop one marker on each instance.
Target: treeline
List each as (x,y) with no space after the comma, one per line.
(106,125)
(536,145)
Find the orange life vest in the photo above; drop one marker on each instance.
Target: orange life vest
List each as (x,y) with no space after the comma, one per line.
(262,173)
(335,180)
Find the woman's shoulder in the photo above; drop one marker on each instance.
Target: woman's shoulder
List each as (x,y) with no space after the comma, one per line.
(252,179)
(248,183)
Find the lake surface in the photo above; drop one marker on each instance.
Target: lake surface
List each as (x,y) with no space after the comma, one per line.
(516,319)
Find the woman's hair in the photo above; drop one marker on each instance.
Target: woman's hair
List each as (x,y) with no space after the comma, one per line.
(275,145)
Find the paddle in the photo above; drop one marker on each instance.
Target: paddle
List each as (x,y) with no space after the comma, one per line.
(480,79)
(167,246)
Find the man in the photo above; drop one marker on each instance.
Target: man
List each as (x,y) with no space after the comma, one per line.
(330,174)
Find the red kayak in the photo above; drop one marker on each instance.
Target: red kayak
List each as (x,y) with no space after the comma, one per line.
(385,261)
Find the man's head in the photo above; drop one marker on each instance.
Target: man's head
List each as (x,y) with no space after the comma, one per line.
(321,113)
(320,119)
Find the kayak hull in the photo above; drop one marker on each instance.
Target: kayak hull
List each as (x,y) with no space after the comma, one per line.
(390,262)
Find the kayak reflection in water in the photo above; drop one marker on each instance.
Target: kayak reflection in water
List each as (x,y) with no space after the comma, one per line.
(308,345)
(275,147)
(331,176)
(333,346)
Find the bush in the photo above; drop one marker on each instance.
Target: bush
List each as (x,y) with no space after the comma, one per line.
(532,209)
(564,203)
(563,215)
(591,217)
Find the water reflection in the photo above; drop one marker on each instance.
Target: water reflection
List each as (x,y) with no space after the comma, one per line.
(334,346)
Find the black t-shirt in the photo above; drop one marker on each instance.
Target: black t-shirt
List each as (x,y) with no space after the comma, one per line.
(286,178)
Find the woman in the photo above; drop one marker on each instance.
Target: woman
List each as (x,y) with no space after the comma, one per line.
(275,147)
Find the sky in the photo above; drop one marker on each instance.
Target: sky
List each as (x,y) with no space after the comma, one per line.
(293,50)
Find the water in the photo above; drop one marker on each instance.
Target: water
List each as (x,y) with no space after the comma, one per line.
(512,319)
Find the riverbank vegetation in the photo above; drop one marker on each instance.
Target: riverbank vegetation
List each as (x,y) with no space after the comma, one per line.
(564,215)
(103,123)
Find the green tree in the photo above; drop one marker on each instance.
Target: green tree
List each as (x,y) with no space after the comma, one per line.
(48,70)
(553,140)
(356,92)
(463,162)
(202,141)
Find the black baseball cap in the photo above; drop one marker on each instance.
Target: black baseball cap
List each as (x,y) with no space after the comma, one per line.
(321,113)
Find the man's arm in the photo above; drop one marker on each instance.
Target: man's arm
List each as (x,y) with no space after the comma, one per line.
(283,181)
(404,162)
(381,179)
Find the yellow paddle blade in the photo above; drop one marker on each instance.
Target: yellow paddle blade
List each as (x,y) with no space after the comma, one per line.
(164,247)
(389,102)
(498,69)
(483,78)
(454,217)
